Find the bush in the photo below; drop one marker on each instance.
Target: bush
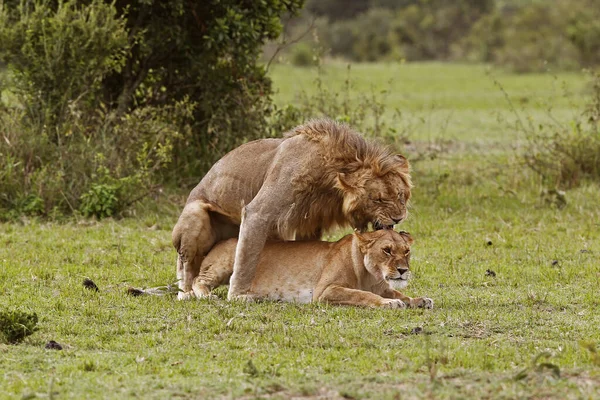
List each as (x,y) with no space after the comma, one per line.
(533,40)
(411,29)
(113,99)
(16,325)
(565,157)
(122,156)
(302,55)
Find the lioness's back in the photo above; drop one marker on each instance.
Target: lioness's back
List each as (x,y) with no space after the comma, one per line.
(286,271)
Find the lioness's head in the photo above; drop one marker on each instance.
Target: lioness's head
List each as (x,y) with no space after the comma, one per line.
(387,255)
(377,195)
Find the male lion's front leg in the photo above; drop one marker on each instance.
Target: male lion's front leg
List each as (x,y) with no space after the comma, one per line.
(253,235)
(354,297)
(417,302)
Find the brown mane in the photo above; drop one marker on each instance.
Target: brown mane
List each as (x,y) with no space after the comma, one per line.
(343,151)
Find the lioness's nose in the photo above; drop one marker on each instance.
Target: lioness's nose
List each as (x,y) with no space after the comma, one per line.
(402,270)
(396,220)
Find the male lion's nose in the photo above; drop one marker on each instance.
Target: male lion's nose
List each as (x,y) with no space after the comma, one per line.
(396,220)
(402,271)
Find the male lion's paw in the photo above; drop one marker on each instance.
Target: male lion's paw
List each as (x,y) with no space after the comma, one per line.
(185,295)
(423,302)
(393,303)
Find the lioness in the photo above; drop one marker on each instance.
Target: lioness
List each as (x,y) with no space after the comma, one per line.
(321,175)
(359,270)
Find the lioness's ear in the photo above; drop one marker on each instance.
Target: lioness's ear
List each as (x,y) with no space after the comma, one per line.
(406,236)
(363,243)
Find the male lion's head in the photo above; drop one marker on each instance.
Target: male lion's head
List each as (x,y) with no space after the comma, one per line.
(387,255)
(377,194)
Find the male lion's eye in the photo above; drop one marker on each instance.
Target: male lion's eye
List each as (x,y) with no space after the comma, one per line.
(387,251)
(407,253)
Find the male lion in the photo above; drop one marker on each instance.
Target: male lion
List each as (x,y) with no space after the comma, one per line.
(358,270)
(319,176)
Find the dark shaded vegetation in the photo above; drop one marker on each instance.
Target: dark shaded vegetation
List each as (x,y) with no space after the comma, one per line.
(520,35)
(16,325)
(106,102)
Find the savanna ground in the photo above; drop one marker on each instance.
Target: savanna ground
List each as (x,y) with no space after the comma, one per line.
(525,329)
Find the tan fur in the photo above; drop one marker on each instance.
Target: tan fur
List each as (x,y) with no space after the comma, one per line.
(320,176)
(357,270)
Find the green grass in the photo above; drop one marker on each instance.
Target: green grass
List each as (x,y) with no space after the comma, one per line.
(458,102)
(471,212)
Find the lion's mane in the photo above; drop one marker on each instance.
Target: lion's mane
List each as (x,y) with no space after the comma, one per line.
(342,151)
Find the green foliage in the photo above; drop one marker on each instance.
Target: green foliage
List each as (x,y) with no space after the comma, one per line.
(58,55)
(114,99)
(302,55)
(533,40)
(100,201)
(521,36)
(16,325)
(206,52)
(412,30)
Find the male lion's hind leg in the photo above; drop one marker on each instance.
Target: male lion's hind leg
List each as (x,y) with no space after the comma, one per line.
(193,236)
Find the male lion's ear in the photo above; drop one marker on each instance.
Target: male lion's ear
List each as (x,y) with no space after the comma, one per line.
(342,182)
(402,161)
(406,236)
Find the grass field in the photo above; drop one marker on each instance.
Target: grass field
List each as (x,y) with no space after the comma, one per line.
(457,102)
(527,332)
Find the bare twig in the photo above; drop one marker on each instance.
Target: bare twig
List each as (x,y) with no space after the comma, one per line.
(286,44)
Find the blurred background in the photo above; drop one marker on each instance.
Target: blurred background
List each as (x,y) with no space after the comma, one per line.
(520,35)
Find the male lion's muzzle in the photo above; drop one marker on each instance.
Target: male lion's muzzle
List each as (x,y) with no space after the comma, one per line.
(379,226)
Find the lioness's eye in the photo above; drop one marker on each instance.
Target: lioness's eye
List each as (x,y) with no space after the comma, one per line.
(407,253)
(387,251)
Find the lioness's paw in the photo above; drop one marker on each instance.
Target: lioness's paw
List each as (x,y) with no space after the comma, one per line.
(248,298)
(393,303)
(208,296)
(423,302)
(185,295)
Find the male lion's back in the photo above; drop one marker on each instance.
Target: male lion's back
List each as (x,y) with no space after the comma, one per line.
(235,179)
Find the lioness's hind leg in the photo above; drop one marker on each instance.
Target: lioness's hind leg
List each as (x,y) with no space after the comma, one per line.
(211,277)
(193,236)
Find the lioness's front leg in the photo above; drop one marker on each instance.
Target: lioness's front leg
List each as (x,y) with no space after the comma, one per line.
(417,302)
(354,297)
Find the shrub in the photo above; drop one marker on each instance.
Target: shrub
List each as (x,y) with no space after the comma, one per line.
(113,99)
(533,40)
(302,55)
(16,325)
